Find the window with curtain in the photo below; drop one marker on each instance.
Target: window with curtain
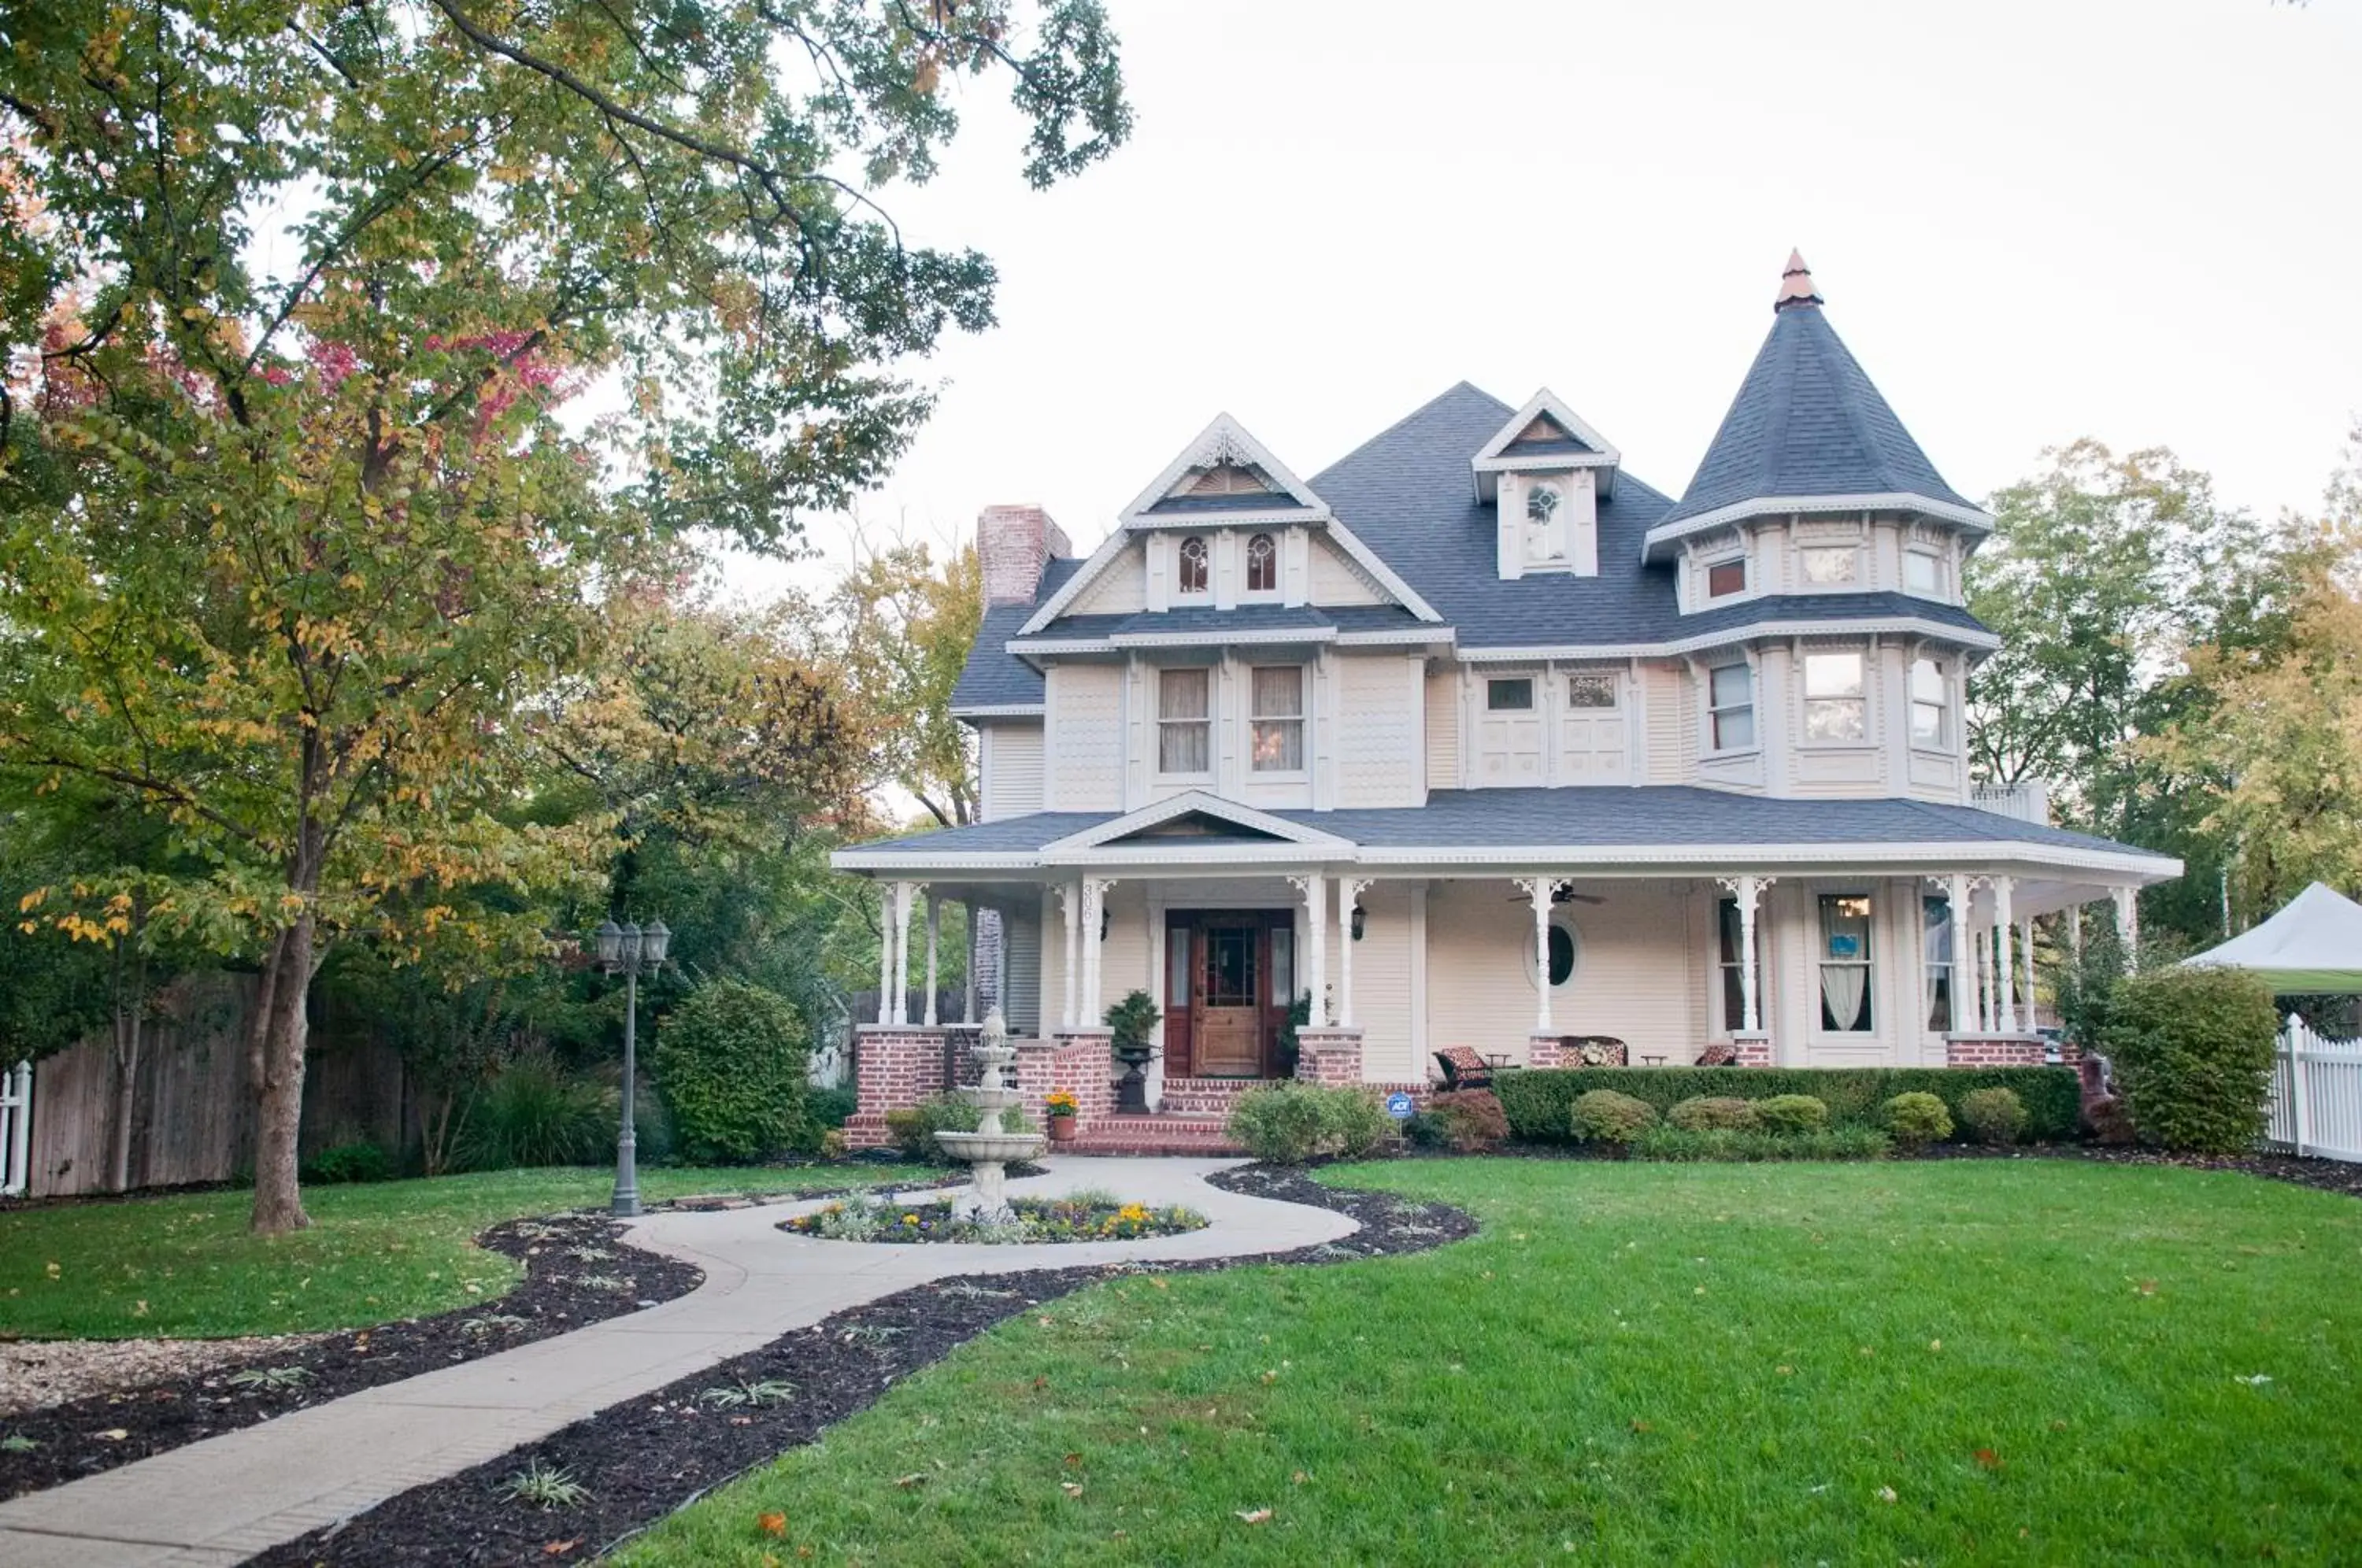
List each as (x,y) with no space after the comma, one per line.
(1278,719)
(1845,963)
(1730,702)
(1185,721)
(1734,987)
(1936,939)
(1262,564)
(1836,706)
(1192,575)
(1931,703)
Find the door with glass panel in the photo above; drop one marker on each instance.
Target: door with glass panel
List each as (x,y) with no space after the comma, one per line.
(1227,984)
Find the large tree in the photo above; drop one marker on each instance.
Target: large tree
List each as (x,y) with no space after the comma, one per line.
(291,295)
(900,626)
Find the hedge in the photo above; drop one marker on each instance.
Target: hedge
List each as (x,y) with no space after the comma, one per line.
(1540,1101)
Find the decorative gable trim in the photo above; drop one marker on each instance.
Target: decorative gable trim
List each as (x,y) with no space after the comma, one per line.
(1224,443)
(1278,831)
(1653,546)
(1500,454)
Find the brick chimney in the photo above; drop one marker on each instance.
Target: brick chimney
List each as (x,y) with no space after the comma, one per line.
(1013,543)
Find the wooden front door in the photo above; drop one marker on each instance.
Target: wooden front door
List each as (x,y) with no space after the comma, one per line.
(1226,975)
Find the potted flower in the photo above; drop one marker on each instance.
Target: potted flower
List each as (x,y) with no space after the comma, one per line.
(1130,1023)
(1061,1105)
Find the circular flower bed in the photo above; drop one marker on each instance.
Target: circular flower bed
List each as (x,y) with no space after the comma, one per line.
(1079,1216)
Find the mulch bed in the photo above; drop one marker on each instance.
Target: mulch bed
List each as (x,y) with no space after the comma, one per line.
(558,1294)
(643,1460)
(2325,1175)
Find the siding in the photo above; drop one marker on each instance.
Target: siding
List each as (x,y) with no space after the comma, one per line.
(1672,724)
(1012,770)
(1631,979)
(1382,984)
(1121,590)
(1376,733)
(1335,580)
(1086,737)
(1443,728)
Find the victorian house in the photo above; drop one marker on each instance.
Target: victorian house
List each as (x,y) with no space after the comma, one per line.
(1474,739)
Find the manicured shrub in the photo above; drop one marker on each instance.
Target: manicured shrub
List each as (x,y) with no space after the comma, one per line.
(731,1062)
(2193,1050)
(1605,1116)
(1288,1122)
(913,1127)
(1687,1146)
(532,1113)
(1993,1116)
(1916,1119)
(1425,1130)
(349,1162)
(1539,1101)
(1792,1113)
(1472,1118)
(1707,1111)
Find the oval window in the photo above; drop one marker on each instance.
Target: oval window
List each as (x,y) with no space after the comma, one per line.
(1562,954)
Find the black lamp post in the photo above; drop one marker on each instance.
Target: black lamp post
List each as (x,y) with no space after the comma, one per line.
(627,949)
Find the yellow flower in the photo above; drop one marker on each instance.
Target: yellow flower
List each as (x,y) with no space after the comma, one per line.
(909,1219)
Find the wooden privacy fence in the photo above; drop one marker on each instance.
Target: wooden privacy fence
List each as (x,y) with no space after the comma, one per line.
(2316,1094)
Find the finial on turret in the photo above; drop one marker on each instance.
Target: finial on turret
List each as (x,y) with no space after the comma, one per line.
(1796,285)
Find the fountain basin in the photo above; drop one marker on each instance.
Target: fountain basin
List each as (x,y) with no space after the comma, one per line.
(998,1147)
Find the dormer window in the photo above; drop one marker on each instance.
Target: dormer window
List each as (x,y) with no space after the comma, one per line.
(1724,577)
(1262,564)
(1545,524)
(1192,576)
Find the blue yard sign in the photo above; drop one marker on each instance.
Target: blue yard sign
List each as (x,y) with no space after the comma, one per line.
(1398,1106)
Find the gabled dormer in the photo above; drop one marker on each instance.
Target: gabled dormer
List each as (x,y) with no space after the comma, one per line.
(1544,473)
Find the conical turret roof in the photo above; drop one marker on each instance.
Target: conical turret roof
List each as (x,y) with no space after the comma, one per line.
(1807,423)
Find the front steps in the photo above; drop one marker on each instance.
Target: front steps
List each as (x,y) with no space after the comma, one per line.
(1160,1134)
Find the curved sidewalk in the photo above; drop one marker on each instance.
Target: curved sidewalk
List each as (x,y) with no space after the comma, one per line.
(221,1500)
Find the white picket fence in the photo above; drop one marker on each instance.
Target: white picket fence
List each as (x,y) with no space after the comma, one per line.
(15,1129)
(2316,1099)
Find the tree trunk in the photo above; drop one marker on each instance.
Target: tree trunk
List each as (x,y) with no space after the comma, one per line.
(277,1038)
(127,1021)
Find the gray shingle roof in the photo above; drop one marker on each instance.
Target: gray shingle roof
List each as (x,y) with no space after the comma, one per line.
(1808,422)
(1573,819)
(992,678)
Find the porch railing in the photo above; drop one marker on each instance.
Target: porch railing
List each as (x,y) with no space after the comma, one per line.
(2028,801)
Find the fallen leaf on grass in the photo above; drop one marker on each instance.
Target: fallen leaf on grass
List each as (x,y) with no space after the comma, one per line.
(912,1479)
(1074,1459)
(772,1523)
(1642,1427)
(1072,1488)
(1886,1494)
(1298,1479)
(1989,1459)
(1256,1516)
(1040,1384)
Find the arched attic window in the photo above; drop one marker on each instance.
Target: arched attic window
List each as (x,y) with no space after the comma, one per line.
(1262,564)
(1192,564)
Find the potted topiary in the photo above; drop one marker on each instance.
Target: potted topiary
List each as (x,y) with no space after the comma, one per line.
(1061,1105)
(1130,1023)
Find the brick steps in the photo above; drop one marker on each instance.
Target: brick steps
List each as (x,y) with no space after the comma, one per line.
(1203,1096)
(1159,1135)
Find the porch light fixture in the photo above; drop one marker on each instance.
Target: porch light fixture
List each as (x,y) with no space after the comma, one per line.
(1106,919)
(1360,919)
(626,950)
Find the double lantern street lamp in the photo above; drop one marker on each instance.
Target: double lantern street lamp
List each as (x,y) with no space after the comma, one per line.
(627,949)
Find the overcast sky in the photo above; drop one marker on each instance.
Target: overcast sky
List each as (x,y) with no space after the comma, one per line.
(2032,222)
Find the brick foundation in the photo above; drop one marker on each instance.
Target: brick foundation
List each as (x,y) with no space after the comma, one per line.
(1996,1051)
(1546,1051)
(894,1066)
(1329,1056)
(1077,1060)
(1754,1050)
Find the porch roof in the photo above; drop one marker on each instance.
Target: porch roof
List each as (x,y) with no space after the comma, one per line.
(1549,828)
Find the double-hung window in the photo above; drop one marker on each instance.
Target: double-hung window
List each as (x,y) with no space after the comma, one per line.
(1923,573)
(1931,703)
(1730,702)
(1185,721)
(1278,719)
(1845,963)
(1836,706)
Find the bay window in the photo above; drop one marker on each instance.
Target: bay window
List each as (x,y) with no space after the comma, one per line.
(1836,707)
(1185,721)
(1931,703)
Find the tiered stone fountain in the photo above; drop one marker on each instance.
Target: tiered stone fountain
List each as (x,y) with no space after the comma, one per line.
(989,1149)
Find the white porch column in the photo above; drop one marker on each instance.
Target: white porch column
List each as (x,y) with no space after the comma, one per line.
(906,894)
(967,991)
(1070,899)
(2005,923)
(1956,895)
(1746,891)
(1349,896)
(1315,889)
(885,953)
(934,942)
(2128,926)
(1541,888)
(1095,890)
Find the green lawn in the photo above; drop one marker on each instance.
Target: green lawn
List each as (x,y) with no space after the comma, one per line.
(2031,1361)
(187,1265)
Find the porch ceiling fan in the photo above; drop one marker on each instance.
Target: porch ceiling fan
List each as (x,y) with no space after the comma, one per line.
(1563,895)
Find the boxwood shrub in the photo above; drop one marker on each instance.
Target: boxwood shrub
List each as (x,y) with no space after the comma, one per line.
(731,1062)
(2193,1050)
(1540,1101)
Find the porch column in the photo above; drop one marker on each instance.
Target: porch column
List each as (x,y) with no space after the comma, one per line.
(1349,896)
(1315,889)
(1095,890)
(1956,895)
(2005,922)
(934,942)
(1539,889)
(2025,965)
(1070,899)
(885,953)
(1749,895)
(2128,926)
(967,991)
(905,895)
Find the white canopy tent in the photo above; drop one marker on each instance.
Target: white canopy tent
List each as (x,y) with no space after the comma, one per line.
(2311,947)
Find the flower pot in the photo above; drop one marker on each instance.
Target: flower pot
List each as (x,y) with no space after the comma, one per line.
(1062,1128)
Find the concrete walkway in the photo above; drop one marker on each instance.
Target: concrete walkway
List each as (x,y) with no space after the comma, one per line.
(221,1500)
